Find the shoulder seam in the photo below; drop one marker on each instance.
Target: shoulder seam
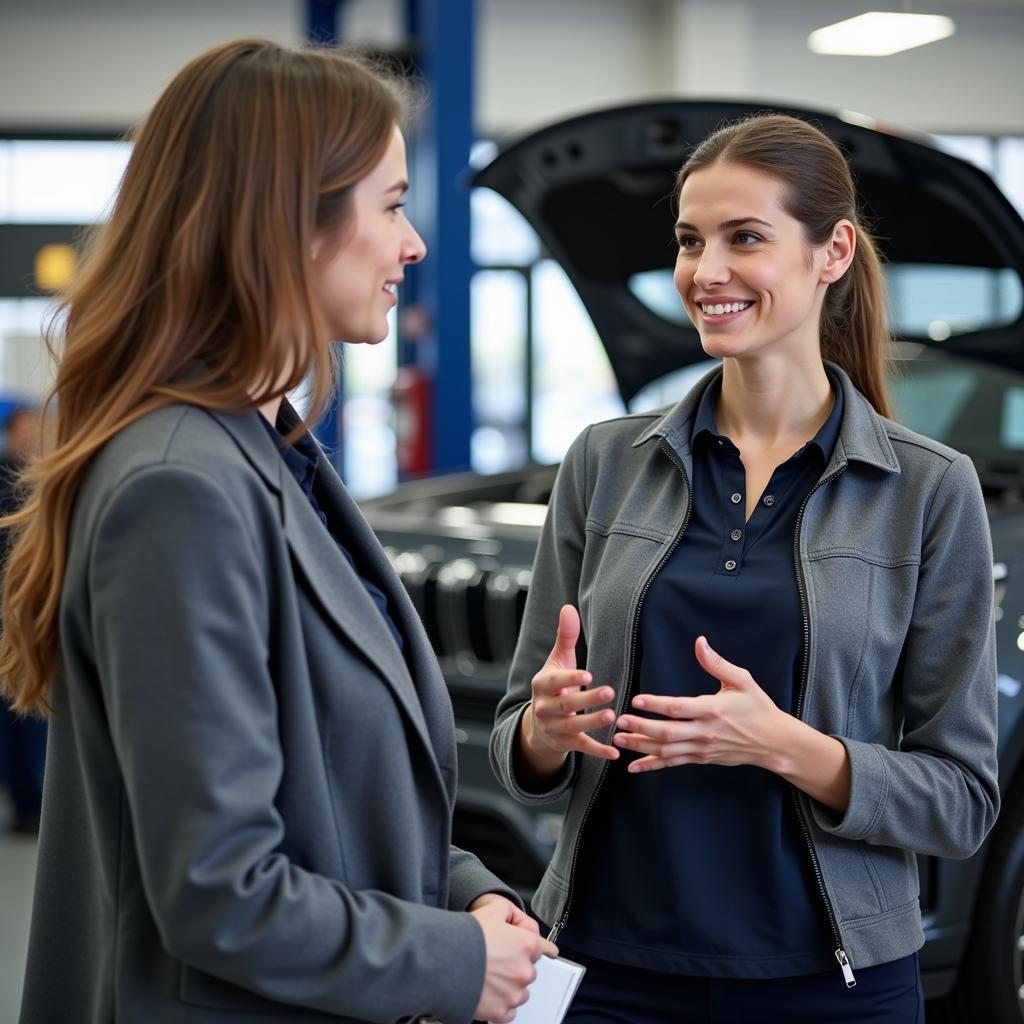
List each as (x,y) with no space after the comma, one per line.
(938,487)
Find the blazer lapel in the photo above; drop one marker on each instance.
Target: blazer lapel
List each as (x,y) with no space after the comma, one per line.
(432,701)
(340,592)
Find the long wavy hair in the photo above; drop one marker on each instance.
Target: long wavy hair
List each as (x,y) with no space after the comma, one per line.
(818,191)
(205,261)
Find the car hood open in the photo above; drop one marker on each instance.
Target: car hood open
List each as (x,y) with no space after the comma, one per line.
(598,191)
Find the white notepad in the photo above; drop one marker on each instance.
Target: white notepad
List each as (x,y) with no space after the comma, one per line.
(551,992)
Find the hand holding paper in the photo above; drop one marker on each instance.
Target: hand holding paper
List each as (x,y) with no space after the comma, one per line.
(551,991)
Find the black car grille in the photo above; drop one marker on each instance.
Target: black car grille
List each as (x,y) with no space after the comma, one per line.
(471,612)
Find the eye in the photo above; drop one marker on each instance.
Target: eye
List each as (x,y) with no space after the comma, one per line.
(688,241)
(396,207)
(746,238)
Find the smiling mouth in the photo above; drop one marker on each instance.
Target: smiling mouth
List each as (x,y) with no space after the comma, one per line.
(720,308)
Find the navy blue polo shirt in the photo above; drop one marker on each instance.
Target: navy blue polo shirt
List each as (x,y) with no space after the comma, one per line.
(702,869)
(302,458)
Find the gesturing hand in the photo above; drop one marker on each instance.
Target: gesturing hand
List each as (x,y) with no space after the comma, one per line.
(562,710)
(738,725)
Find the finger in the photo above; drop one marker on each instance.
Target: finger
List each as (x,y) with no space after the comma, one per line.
(588,745)
(659,729)
(653,764)
(563,653)
(572,702)
(551,681)
(527,923)
(682,708)
(645,745)
(548,948)
(714,664)
(589,723)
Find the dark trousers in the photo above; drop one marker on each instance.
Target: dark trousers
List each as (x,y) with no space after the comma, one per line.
(22,755)
(614,994)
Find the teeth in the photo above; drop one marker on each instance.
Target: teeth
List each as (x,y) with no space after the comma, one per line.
(724,307)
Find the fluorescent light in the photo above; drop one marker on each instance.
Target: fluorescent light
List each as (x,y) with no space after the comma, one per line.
(879,33)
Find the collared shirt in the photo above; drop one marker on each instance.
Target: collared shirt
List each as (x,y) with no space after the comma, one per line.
(700,869)
(302,458)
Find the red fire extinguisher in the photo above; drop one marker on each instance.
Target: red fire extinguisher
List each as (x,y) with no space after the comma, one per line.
(410,398)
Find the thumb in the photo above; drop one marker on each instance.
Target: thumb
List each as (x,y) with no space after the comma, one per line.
(563,654)
(715,665)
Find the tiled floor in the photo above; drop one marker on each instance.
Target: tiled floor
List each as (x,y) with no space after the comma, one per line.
(17,875)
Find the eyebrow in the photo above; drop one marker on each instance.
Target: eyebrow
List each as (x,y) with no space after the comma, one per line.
(399,187)
(726,224)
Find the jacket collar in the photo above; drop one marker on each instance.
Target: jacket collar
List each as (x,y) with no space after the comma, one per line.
(863,436)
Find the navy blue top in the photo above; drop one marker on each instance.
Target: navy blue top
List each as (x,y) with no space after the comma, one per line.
(302,458)
(701,869)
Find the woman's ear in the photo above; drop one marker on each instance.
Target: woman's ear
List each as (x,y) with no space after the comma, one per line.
(839,250)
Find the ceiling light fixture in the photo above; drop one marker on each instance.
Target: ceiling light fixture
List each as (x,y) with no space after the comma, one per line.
(880,33)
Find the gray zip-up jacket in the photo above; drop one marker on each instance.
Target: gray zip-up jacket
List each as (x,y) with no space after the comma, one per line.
(895,571)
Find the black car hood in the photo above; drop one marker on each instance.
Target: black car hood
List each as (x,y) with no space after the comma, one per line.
(598,191)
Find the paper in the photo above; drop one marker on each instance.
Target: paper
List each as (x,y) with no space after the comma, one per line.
(551,992)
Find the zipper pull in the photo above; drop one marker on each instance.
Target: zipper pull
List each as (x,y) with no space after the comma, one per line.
(844,963)
(554,933)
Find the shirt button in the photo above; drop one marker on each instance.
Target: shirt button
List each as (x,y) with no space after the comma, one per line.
(769,500)
(736,498)
(736,534)
(730,565)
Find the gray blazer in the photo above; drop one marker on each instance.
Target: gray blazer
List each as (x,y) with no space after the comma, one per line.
(249,789)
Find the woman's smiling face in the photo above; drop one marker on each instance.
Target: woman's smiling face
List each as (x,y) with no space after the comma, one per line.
(748,277)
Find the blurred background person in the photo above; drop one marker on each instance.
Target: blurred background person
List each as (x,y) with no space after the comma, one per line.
(22,738)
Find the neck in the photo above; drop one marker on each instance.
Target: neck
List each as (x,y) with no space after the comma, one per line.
(270,410)
(768,402)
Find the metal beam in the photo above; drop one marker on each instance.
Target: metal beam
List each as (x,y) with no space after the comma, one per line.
(322,17)
(444,34)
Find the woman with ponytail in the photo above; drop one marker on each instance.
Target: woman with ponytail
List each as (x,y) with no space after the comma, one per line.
(773,673)
(251,763)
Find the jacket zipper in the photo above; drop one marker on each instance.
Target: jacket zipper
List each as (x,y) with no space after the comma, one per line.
(798,712)
(557,929)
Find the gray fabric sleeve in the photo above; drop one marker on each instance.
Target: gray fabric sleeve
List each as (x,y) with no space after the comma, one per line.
(938,793)
(470,879)
(555,582)
(180,616)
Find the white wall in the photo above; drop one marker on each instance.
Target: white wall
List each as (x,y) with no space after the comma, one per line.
(101,63)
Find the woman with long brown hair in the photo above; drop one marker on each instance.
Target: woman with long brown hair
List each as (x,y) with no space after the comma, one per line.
(786,600)
(251,767)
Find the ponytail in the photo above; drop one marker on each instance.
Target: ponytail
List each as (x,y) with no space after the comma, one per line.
(854,327)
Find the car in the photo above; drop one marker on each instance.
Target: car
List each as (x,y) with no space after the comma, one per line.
(597,190)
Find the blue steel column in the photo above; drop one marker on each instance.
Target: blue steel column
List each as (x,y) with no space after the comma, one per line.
(322,18)
(443,31)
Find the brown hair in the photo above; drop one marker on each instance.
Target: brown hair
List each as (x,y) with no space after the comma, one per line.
(205,261)
(818,192)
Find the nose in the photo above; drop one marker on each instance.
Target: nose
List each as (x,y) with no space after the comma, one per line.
(414,248)
(712,268)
